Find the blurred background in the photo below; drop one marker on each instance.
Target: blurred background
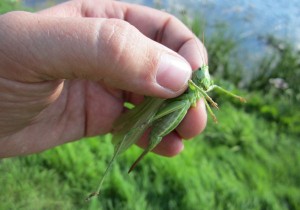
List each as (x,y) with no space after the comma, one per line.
(249,160)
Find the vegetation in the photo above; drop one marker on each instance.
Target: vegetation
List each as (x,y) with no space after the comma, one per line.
(8,5)
(249,160)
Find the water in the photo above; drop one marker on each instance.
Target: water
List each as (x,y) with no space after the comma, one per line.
(246,20)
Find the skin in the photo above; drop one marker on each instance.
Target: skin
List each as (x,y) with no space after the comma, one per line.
(64,76)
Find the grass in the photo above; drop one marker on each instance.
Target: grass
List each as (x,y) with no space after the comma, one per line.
(241,163)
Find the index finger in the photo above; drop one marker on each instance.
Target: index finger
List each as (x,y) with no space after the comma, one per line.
(167,30)
(163,28)
(157,25)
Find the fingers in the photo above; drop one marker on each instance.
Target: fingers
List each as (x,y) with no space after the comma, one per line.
(167,30)
(157,25)
(107,50)
(194,122)
(170,145)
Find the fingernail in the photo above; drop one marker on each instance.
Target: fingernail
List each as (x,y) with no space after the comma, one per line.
(173,72)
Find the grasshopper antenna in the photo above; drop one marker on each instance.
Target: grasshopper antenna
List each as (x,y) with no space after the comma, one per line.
(201,48)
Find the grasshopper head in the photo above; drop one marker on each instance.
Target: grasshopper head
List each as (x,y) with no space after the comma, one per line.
(201,77)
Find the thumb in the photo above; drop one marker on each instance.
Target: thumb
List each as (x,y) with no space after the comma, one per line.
(107,50)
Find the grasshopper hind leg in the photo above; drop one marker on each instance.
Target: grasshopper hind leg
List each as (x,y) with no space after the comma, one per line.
(153,143)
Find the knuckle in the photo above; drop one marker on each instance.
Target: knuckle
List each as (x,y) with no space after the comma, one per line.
(117,37)
(14,18)
(11,20)
(129,50)
(12,15)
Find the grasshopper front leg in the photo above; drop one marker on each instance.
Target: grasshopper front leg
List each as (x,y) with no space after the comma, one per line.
(206,98)
(226,92)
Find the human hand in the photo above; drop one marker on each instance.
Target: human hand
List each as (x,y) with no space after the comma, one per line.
(66,71)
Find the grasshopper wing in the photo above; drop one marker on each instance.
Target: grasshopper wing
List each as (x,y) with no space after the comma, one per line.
(128,129)
(131,125)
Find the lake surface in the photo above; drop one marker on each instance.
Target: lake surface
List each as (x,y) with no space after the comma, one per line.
(246,20)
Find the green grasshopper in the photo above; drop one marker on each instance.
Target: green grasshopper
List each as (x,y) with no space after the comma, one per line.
(162,115)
